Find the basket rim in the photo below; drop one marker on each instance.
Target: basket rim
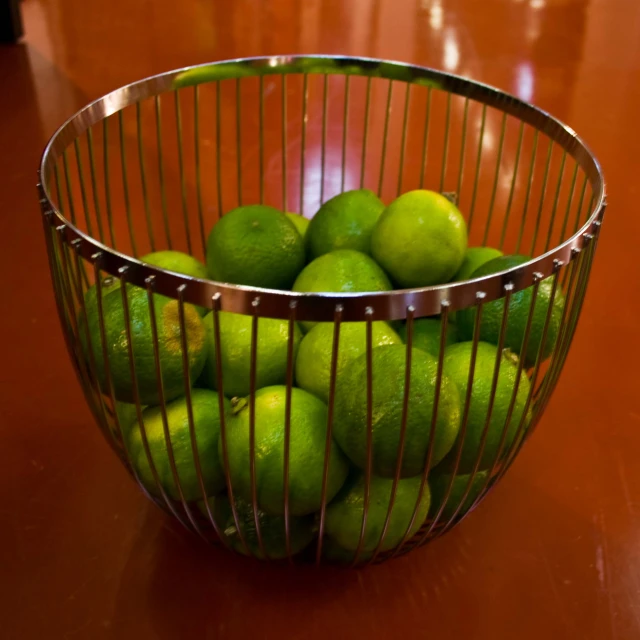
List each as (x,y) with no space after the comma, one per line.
(387,305)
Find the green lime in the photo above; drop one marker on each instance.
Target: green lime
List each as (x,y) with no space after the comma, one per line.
(302,530)
(300,222)
(345,222)
(388,368)
(206,424)
(457,361)
(473,258)
(308,435)
(255,245)
(439,485)
(344,515)
(178,262)
(341,271)
(235,347)
(519,309)
(167,316)
(127,417)
(426,334)
(313,366)
(420,239)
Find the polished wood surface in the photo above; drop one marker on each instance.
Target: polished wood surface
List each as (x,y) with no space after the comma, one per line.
(554,551)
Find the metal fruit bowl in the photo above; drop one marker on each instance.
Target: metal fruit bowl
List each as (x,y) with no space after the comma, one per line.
(153,165)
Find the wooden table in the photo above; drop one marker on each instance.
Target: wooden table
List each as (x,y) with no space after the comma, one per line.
(554,552)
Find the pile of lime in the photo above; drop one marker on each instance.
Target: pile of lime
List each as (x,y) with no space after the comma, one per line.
(306,425)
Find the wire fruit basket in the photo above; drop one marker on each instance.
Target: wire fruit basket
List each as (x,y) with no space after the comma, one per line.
(154,165)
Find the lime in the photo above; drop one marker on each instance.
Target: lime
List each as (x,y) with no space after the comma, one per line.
(178,262)
(344,515)
(300,222)
(127,417)
(344,222)
(426,334)
(457,360)
(206,424)
(439,485)
(306,451)
(519,309)
(388,367)
(475,257)
(313,366)
(167,315)
(420,239)
(341,271)
(235,347)
(302,530)
(255,245)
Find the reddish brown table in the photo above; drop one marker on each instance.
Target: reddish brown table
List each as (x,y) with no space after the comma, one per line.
(554,552)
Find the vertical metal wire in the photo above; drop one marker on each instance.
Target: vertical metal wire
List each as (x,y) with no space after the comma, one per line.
(345,129)
(514,178)
(365,128)
(261,137)
(163,191)
(196,144)
(58,185)
(186,372)
(125,183)
(183,181)
(123,272)
(67,180)
(580,204)
(480,296)
(284,144)
(508,289)
(527,197)
(476,179)
(97,260)
(215,316)
(403,140)
(252,423)
(463,145)
(323,151)
(403,432)
(83,191)
(107,181)
(150,284)
(385,135)
(219,146)
(143,176)
(94,184)
(543,195)
(445,144)
(522,425)
(287,425)
(444,315)
(239,139)
(303,144)
(572,189)
(556,199)
(425,139)
(335,345)
(369,453)
(496,178)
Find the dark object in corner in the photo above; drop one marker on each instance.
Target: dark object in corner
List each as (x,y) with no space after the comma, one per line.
(10,21)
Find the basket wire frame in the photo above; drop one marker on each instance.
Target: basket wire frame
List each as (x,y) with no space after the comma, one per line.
(153,165)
